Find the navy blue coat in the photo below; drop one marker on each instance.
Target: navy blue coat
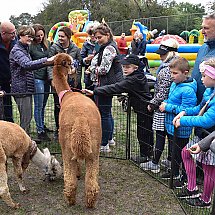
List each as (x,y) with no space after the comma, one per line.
(21,65)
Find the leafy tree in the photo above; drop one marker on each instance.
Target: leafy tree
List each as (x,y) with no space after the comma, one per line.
(165,14)
(22,19)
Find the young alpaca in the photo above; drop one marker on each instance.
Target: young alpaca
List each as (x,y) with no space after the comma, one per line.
(79,134)
(16,144)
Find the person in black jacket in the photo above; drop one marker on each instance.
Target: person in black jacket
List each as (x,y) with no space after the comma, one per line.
(135,84)
(7,41)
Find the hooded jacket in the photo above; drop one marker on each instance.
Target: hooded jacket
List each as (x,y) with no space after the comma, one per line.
(181,95)
(134,84)
(207,120)
(72,50)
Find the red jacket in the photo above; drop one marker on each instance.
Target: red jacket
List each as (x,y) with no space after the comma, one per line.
(122,46)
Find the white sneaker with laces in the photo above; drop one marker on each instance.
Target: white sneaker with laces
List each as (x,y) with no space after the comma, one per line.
(111,142)
(105,148)
(155,168)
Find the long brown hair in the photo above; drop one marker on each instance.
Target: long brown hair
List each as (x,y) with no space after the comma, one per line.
(38,27)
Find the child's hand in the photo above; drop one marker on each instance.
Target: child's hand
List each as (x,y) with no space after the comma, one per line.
(149,107)
(195,149)
(87,92)
(89,57)
(177,123)
(162,106)
(87,71)
(178,117)
(2,93)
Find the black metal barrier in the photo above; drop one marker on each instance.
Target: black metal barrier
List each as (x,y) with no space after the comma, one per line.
(131,126)
(166,169)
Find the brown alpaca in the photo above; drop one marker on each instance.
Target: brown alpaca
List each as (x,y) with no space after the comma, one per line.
(79,134)
(16,144)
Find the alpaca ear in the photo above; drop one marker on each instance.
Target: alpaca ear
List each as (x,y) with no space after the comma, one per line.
(53,160)
(46,152)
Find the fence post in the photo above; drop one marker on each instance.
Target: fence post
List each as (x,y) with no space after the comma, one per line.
(213,206)
(2,93)
(128,131)
(173,158)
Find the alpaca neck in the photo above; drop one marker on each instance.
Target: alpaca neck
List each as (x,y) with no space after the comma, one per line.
(40,160)
(61,84)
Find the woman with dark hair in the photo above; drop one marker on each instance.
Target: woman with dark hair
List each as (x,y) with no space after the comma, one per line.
(65,45)
(105,69)
(39,48)
(89,48)
(22,76)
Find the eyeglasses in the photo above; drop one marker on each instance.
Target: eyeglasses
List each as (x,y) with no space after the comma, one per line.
(29,36)
(12,33)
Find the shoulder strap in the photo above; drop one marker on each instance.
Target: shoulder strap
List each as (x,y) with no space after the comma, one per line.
(201,112)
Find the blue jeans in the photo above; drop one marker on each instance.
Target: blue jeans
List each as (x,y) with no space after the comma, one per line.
(38,104)
(104,104)
(46,96)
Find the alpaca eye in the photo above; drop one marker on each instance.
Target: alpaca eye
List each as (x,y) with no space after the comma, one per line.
(64,63)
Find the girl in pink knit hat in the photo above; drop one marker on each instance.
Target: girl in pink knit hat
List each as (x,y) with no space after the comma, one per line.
(201,117)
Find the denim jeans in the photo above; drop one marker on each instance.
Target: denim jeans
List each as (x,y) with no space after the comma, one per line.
(38,104)
(46,96)
(104,104)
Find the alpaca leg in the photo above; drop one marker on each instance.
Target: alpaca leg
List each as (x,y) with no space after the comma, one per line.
(70,181)
(4,190)
(17,165)
(78,169)
(91,182)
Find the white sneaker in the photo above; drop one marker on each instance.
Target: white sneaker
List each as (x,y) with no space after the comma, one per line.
(155,168)
(111,142)
(105,148)
(166,163)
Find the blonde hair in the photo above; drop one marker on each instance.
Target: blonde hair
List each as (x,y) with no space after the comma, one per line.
(210,62)
(170,43)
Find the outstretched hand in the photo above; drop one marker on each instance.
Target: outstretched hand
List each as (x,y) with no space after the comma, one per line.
(50,60)
(176,120)
(87,92)
(195,149)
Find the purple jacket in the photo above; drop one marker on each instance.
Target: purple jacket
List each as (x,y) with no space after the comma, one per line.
(21,66)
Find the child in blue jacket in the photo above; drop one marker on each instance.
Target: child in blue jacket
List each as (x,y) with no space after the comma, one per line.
(182,94)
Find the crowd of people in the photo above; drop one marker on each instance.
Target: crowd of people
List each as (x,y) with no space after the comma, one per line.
(179,103)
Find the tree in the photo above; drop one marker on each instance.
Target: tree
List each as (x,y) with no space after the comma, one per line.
(165,14)
(22,19)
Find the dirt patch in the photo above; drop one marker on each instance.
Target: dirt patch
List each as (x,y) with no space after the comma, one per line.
(125,189)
